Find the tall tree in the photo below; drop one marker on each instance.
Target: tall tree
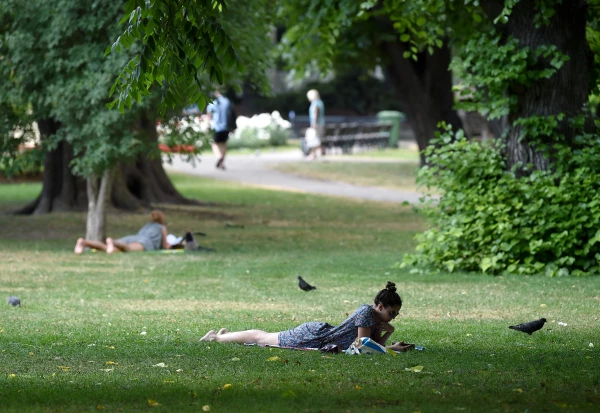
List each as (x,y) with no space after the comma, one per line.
(53,58)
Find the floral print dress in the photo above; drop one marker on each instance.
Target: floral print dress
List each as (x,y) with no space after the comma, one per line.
(317,334)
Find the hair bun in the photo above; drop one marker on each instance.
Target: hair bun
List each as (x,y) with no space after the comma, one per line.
(390,286)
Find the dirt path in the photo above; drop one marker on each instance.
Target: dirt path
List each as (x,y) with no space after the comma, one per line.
(257,170)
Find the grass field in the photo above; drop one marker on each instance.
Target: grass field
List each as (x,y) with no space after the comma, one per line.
(393,175)
(119,333)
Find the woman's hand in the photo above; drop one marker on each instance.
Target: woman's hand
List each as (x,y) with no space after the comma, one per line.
(401,346)
(385,326)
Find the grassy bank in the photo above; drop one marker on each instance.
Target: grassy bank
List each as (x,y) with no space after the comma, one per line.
(120,332)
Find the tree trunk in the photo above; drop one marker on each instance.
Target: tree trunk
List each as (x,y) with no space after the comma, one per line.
(136,184)
(423,88)
(97,194)
(565,92)
(61,191)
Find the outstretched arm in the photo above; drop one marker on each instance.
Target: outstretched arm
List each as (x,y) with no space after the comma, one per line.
(401,346)
(383,332)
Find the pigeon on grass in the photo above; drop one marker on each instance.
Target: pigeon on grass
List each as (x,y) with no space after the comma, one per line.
(192,245)
(14,301)
(530,327)
(190,242)
(304,285)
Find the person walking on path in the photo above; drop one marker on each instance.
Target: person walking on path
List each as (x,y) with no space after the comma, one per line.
(152,236)
(316,115)
(217,112)
(371,321)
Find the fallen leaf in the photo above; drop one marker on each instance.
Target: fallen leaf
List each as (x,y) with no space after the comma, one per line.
(111,363)
(518,390)
(227,386)
(357,387)
(543,305)
(415,369)
(153,403)
(159,365)
(65,368)
(206,408)
(100,407)
(273,358)
(12,375)
(289,394)
(235,359)
(31,353)
(179,370)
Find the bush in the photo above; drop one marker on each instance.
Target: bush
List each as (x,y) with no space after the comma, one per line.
(28,163)
(491,220)
(260,131)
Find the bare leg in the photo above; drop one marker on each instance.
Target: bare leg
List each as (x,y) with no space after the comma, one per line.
(248,336)
(120,246)
(220,149)
(84,243)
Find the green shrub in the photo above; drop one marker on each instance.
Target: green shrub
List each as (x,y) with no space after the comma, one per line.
(26,164)
(491,220)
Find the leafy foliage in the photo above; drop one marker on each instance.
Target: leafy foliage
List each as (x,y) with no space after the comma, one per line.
(185,46)
(52,57)
(492,220)
(488,63)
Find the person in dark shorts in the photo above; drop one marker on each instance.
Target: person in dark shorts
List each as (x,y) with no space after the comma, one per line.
(152,236)
(217,112)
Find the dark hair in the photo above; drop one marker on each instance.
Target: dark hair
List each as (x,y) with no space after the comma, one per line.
(388,296)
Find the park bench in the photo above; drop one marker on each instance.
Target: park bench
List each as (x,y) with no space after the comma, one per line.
(346,136)
(347,132)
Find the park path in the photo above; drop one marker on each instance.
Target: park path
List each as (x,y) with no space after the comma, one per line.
(257,169)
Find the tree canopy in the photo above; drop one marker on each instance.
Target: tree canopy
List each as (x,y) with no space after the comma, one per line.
(183,47)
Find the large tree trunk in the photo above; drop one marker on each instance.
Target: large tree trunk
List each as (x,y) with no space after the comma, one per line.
(98,190)
(136,184)
(565,92)
(61,191)
(423,88)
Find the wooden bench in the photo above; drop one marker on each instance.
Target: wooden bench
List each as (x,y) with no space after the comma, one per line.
(346,136)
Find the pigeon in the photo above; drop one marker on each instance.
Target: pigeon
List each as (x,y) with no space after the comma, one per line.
(192,245)
(530,327)
(190,242)
(14,301)
(304,285)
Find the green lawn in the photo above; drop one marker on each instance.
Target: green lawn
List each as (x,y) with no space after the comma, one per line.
(119,333)
(393,175)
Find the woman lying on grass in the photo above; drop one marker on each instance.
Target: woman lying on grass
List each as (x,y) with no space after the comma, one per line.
(371,321)
(152,236)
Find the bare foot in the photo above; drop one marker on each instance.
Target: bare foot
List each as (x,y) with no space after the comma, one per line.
(110,246)
(79,246)
(210,336)
(222,331)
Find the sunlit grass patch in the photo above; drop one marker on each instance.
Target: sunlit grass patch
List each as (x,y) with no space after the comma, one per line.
(121,331)
(393,175)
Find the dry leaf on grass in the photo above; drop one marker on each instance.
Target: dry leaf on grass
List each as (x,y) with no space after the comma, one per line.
(153,403)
